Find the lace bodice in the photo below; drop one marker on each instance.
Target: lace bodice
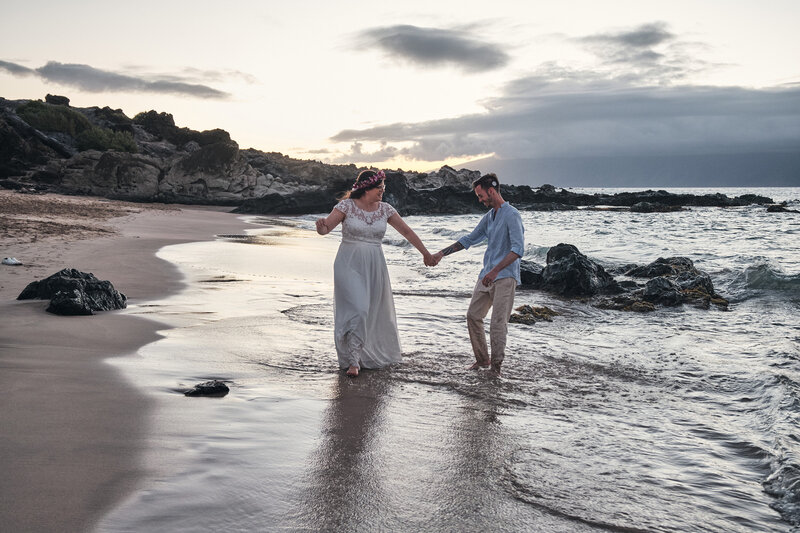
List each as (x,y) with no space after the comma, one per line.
(364,226)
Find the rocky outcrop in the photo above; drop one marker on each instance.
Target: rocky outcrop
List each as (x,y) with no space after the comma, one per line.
(56,100)
(117,175)
(72,292)
(662,291)
(648,207)
(530,274)
(569,273)
(408,192)
(149,158)
(671,282)
(780,208)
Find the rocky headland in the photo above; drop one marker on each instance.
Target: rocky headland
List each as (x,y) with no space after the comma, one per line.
(666,282)
(51,146)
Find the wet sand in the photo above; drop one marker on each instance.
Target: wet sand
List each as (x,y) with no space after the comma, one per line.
(73,429)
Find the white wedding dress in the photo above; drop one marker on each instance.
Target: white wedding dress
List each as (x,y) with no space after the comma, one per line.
(365,322)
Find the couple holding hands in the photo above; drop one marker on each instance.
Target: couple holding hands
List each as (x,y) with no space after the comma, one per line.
(365,324)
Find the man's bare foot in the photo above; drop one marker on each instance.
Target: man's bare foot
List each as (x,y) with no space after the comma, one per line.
(496,368)
(352,371)
(476,366)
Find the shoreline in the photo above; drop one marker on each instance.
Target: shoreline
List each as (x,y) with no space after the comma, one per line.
(74,427)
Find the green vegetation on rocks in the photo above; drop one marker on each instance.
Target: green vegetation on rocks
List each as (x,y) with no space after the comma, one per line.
(60,119)
(53,118)
(96,138)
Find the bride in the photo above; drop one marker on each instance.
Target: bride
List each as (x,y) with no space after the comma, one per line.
(365,324)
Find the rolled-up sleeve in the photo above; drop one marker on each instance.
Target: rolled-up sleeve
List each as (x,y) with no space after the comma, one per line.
(516,234)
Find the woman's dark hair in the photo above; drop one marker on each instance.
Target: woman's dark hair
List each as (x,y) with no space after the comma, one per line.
(363,175)
(486,181)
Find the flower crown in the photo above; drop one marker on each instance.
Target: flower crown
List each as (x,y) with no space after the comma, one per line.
(372,180)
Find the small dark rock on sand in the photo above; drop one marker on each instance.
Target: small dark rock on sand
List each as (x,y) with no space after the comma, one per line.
(209,388)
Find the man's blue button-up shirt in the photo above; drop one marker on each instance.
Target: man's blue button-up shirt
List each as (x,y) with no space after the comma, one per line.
(505,233)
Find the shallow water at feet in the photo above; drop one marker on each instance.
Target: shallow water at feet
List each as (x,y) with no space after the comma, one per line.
(679,420)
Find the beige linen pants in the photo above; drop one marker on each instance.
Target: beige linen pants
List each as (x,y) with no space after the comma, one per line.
(500,296)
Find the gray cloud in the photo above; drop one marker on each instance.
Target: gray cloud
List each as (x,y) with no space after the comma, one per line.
(356,153)
(647,54)
(632,109)
(90,79)
(624,121)
(643,37)
(434,47)
(15,69)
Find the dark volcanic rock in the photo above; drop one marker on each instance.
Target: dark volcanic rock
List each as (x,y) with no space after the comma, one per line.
(671,266)
(779,208)
(530,275)
(570,273)
(673,281)
(56,100)
(647,207)
(663,291)
(209,388)
(72,292)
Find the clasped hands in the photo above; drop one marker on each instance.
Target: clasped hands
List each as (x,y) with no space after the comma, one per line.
(432,260)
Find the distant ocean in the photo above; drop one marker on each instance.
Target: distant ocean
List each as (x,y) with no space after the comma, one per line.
(678,420)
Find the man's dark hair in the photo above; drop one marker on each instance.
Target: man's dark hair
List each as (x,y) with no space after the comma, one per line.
(486,181)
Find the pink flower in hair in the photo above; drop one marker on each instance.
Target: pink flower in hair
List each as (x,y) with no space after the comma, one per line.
(372,180)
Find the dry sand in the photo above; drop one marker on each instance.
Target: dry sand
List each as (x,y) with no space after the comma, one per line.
(72,428)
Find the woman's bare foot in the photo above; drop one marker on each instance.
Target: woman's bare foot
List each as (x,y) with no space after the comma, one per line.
(477,366)
(352,371)
(496,368)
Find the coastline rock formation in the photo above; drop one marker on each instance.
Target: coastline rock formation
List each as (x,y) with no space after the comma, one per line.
(671,282)
(568,273)
(72,292)
(51,146)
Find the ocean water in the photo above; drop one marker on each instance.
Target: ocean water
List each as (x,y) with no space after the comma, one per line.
(678,420)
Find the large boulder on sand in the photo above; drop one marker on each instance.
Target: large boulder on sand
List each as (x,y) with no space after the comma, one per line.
(72,292)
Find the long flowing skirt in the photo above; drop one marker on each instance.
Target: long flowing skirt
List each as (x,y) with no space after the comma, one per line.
(365,321)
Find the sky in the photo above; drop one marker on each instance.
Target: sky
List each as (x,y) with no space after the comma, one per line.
(568,88)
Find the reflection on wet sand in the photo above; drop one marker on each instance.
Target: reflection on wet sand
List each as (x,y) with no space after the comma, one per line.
(345,486)
(392,459)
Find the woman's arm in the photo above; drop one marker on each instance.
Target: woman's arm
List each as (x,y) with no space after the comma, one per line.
(326,225)
(403,229)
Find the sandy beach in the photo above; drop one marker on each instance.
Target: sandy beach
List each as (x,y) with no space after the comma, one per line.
(682,418)
(73,427)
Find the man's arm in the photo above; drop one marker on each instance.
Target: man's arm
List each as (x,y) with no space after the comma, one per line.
(455,247)
(477,235)
(490,276)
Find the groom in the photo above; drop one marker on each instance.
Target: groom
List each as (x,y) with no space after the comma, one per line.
(498,280)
